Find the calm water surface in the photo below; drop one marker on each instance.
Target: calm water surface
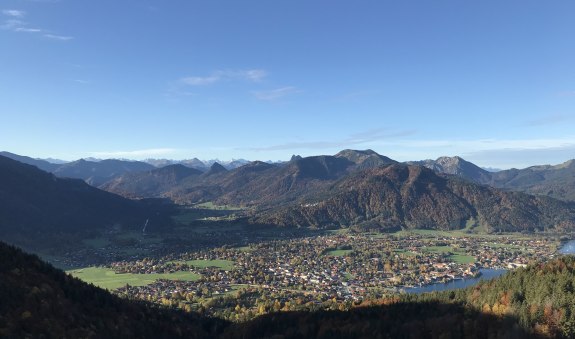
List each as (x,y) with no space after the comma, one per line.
(568,248)
(486,274)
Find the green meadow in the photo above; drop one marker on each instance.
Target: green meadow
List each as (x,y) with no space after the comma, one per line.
(107,278)
(338,253)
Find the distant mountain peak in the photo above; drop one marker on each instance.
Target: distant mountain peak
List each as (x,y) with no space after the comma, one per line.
(216,168)
(365,158)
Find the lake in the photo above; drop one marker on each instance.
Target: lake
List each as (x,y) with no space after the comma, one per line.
(486,274)
(568,248)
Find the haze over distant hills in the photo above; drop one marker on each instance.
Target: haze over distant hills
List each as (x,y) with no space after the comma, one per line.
(38,205)
(354,187)
(360,188)
(557,181)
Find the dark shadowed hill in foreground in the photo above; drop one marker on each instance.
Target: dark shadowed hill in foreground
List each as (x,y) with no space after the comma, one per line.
(35,204)
(37,300)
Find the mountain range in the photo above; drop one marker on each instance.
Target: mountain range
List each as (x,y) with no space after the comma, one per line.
(35,204)
(355,188)
(556,181)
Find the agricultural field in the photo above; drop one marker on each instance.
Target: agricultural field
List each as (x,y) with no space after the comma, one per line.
(338,253)
(108,279)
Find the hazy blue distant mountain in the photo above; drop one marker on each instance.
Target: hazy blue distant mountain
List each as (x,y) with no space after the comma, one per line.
(55,161)
(154,183)
(41,164)
(35,204)
(456,166)
(365,159)
(215,169)
(97,173)
(556,181)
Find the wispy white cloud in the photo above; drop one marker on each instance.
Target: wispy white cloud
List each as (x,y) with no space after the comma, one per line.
(274,94)
(15,24)
(548,120)
(492,152)
(13,13)
(27,30)
(352,140)
(58,37)
(252,75)
(139,154)
(199,81)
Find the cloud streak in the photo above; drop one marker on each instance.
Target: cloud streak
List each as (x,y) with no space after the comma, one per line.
(274,94)
(252,75)
(141,154)
(13,13)
(15,24)
(547,120)
(364,137)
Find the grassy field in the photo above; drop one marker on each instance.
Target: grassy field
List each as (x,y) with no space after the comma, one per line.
(107,278)
(338,253)
(462,258)
(226,265)
(438,249)
(456,256)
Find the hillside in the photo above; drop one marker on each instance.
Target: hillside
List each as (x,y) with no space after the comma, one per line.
(98,172)
(152,183)
(554,181)
(37,300)
(457,166)
(41,164)
(259,183)
(36,205)
(415,197)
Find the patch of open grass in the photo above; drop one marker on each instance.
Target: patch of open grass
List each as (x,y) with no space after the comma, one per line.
(338,253)
(462,259)
(438,249)
(107,278)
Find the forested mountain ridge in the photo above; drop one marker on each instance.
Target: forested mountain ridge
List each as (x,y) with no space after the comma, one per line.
(556,181)
(401,196)
(35,204)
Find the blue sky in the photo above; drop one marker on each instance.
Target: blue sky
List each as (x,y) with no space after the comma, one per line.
(491,81)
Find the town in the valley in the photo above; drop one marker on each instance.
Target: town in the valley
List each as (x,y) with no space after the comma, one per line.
(326,271)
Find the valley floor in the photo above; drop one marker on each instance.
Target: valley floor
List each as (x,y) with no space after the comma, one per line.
(333,270)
